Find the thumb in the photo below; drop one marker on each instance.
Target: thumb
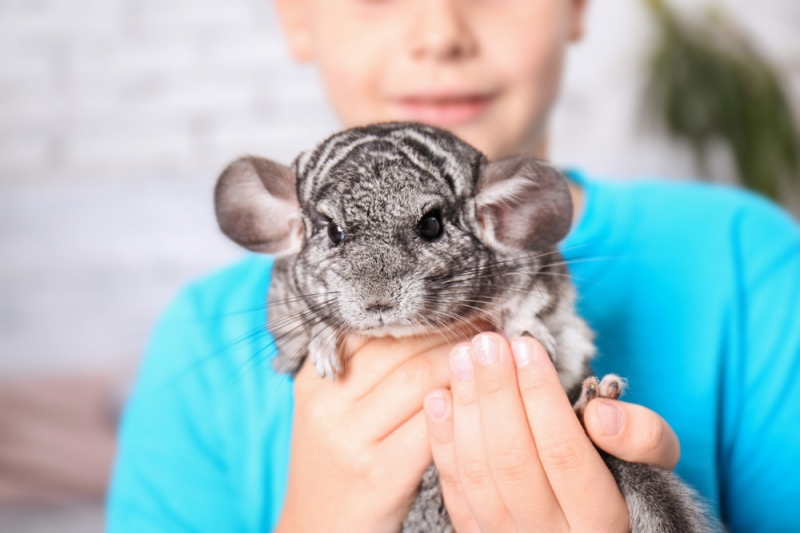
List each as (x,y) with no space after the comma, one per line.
(632,433)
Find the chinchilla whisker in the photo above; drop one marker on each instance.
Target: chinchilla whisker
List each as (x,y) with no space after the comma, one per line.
(261,331)
(313,306)
(461,303)
(307,345)
(430,330)
(263,306)
(286,336)
(255,333)
(478,312)
(503,287)
(455,299)
(563,297)
(505,268)
(454,320)
(277,343)
(450,326)
(311,310)
(569,302)
(578,260)
(566,276)
(561,250)
(301,297)
(288,319)
(314,312)
(252,362)
(520,322)
(540,296)
(533,258)
(494,271)
(483,270)
(483,311)
(246,310)
(539,289)
(493,268)
(468,304)
(525,293)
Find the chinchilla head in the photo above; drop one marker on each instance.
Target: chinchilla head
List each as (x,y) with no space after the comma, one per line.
(394,226)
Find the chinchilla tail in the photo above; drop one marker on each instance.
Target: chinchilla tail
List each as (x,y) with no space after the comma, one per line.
(658,501)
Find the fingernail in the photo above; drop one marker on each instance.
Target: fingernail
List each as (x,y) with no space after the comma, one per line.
(486,349)
(437,406)
(523,352)
(461,362)
(611,419)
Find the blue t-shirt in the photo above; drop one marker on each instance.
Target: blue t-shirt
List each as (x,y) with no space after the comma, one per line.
(693,291)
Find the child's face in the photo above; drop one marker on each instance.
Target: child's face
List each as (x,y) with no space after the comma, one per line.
(487,70)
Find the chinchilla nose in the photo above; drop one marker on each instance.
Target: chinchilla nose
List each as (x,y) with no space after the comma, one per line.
(379,306)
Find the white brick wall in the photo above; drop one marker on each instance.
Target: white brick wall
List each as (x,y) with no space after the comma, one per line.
(115,89)
(116,115)
(98,90)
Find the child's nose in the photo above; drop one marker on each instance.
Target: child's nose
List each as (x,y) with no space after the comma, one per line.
(441,31)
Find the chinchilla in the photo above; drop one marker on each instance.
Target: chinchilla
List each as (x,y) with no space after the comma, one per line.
(400,229)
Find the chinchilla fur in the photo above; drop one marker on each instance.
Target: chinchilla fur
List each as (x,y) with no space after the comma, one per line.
(399,229)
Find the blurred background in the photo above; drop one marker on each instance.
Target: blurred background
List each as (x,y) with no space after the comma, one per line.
(116,117)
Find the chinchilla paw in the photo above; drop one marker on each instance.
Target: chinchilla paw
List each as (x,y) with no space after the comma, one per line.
(611,386)
(327,363)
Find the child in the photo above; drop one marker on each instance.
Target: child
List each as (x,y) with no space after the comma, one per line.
(692,291)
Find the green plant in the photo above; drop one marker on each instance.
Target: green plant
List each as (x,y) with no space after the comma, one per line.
(706,84)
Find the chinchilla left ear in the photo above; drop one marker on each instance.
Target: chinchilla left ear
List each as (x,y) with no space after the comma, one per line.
(522,203)
(256,204)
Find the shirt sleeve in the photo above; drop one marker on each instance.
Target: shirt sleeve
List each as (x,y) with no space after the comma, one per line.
(761,424)
(171,473)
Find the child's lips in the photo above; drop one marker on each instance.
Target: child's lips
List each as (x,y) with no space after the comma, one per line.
(442,110)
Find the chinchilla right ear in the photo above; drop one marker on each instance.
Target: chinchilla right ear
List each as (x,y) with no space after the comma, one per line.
(256,204)
(522,204)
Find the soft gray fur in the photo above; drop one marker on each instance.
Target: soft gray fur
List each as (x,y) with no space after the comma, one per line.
(346,225)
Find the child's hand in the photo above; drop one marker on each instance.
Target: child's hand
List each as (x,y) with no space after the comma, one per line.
(511,454)
(359,444)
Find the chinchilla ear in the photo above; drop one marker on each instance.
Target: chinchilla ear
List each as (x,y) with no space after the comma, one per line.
(256,204)
(522,203)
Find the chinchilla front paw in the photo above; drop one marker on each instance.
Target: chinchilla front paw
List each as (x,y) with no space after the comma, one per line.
(326,358)
(611,386)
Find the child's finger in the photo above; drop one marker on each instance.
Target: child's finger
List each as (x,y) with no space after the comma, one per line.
(585,488)
(439,417)
(518,473)
(400,395)
(370,360)
(632,432)
(410,442)
(474,469)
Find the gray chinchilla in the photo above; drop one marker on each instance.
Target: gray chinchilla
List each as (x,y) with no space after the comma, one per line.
(399,229)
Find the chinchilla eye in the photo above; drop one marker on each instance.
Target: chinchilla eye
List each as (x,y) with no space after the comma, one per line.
(335,233)
(429,226)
